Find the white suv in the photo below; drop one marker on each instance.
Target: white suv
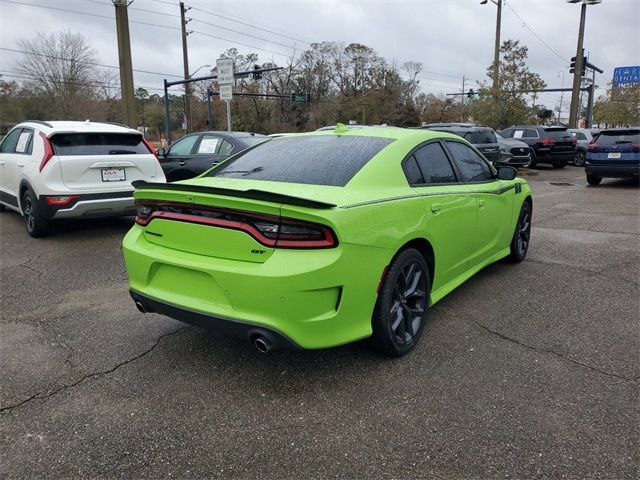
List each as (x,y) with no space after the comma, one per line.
(56,170)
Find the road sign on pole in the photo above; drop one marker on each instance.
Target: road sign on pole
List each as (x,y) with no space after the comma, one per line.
(623,76)
(224,67)
(226,92)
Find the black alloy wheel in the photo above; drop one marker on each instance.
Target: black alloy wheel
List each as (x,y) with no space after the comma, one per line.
(522,235)
(399,316)
(578,161)
(34,223)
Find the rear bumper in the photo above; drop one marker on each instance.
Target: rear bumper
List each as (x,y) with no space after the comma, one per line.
(613,171)
(214,322)
(315,298)
(91,206)
(545,155)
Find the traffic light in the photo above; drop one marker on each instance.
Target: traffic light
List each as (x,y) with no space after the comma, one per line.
(257,75)
(471,93)
(573,64)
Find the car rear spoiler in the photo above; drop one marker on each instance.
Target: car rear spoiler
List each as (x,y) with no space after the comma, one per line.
(252,193)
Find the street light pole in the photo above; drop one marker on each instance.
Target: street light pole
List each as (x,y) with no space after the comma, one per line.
(577,74)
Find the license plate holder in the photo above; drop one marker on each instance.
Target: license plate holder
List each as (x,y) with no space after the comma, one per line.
(113,175)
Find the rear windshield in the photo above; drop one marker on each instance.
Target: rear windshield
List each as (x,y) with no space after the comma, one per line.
(558,134)
(618,136)
(315,160)
(480,136)
(98,144)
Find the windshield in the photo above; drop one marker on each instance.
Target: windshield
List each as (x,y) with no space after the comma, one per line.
(315,160)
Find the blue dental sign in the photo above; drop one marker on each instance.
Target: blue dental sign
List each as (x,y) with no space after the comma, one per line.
(623,76)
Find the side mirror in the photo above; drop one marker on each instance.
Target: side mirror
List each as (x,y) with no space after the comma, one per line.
(161,152)
(507,173)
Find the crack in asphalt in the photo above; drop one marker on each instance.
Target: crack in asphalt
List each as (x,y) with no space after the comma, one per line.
(50,393)
(553,352)
(603,273)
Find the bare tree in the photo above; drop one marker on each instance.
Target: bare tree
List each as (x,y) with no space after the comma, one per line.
(61,66)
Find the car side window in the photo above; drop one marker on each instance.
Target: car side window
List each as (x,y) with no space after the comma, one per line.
(25,140)
(183,146)
(530,133)
(579,136)
(508,133)
(471,166)
(226,148)
(412,171)
(10,141)
(209,144)
(434,164)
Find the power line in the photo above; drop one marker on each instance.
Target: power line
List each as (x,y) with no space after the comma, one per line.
(84,62)
(251,26)
(240,43)
(242,33)
(534,33)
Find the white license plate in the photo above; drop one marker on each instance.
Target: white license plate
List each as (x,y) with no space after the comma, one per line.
(614,155)
(113,175)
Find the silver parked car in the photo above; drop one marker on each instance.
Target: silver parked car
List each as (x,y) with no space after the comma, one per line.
(583,138)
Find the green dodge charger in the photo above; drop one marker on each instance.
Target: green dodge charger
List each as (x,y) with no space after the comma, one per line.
(320,239)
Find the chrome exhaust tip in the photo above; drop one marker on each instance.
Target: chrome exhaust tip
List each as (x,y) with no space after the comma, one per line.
(262,344)
(140,307)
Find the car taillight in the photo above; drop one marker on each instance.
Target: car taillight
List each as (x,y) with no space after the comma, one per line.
(48,151)
(547,141)
(61,200)
(269,230)
(593,146)
(574,140)
(150,147)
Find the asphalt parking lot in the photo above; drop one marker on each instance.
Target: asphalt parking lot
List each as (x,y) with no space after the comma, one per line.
(530,370)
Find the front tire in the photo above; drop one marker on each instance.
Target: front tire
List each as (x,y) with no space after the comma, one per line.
(522,235)
(400,312)
(34,223)
(593,180)
(578,161)
(533,162)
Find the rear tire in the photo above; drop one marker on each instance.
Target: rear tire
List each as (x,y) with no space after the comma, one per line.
(34,223)
(593,180)
(400,313)
(521,235)
(578,161)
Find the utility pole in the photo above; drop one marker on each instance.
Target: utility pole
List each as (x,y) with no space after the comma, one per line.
(496,52)
(126,69)
(577,74)
(185,60)
(462,112)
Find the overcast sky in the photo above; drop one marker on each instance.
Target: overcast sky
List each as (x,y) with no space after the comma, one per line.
(451,38)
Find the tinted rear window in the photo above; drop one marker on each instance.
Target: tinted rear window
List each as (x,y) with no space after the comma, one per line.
(618,136)
(315,160)
(98,144)
(480,136)
(558,135)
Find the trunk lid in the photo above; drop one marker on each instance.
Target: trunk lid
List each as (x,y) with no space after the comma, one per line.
(562,140)
(103,161)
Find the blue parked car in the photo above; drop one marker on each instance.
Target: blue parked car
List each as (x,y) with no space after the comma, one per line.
(613,153)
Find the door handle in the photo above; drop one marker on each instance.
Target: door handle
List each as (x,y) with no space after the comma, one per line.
(182,164)
(21,164)
(2,163)
(481,203)
(436,207)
